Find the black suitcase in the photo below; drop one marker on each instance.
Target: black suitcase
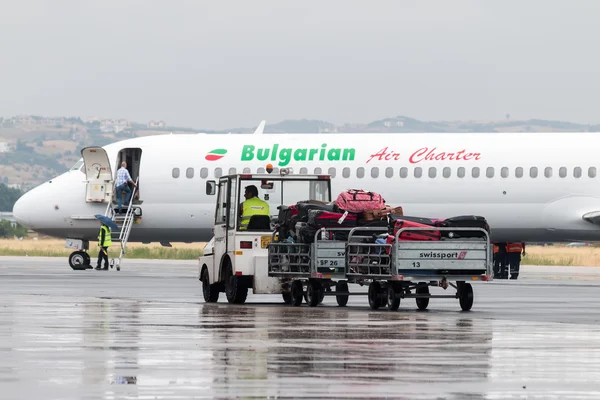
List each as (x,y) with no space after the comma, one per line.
(464,221)
(304,208)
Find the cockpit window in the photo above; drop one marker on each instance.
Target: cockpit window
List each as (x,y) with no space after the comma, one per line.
(78,165)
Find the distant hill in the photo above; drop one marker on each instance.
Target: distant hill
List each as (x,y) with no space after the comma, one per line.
(34,149)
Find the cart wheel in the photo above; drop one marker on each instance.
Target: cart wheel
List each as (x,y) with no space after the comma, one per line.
(465,296)
(287,297)
(296,293)
(393,298)
(422,302)
(342,299)
(374,295)
(322,293)
(313,293)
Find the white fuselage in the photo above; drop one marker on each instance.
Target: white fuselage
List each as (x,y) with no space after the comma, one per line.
(431,175)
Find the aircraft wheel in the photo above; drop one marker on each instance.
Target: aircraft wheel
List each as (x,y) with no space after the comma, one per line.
(465,295)
(79,260)
(342,299)
(422,302)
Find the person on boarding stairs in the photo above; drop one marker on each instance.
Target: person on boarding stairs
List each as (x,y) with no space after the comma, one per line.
(123,178)
(252,206)
(104,242)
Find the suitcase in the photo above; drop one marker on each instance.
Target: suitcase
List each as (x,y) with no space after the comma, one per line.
(464,221)
(373,215)
(415,235)
(358,201)
(329,219)
(304,208)
(392,218)
(307,234)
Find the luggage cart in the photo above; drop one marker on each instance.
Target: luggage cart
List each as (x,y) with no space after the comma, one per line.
(407,268)
(319,266)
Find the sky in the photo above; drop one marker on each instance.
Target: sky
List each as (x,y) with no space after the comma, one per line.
(225,64)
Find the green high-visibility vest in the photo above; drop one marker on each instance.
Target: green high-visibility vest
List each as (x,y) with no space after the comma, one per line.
(107,238)
(253,206)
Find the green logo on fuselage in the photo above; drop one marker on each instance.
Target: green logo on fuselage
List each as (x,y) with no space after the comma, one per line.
(285,155)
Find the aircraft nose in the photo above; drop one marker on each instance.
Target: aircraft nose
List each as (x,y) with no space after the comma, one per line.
(23,209)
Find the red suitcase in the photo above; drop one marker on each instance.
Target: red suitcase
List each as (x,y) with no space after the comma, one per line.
(416,235)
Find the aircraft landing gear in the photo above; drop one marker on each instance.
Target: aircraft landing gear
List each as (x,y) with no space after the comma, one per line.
(79,260)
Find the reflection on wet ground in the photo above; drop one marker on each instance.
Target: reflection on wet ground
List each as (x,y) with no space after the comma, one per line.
(147,334)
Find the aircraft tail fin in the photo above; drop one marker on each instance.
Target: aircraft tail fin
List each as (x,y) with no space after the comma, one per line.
(261,127)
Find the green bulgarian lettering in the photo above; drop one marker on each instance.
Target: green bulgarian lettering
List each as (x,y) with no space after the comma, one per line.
(349,154)
(300,155)
(285,155)
(248,152)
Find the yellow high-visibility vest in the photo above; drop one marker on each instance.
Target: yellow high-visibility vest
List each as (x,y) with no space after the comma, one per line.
(107,238)
(250,207)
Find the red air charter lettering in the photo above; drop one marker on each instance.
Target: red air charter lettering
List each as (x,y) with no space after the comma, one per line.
(384,155)
(427,154)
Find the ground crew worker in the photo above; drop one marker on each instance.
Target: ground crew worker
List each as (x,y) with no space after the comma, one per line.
(513,257)
(252,206)
(500,260)
(104,242)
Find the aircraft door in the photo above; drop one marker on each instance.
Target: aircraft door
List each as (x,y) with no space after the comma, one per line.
(98,174)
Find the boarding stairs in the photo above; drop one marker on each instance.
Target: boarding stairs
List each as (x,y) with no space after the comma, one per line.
(124,218)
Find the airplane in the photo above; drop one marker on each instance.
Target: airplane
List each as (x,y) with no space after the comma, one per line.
(531,187)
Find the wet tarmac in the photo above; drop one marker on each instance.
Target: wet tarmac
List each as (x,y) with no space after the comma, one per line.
(145,333)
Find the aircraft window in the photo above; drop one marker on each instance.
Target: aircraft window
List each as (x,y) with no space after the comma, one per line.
(360,172)
(175,173)
(389,172)
(303,171)
(548,172)
(504,172)
(346,172)
(403,172)
(318,171)
(475,172)
(460,172)
(331,171)
(577,172)
(260,170)
(189,173)
(247,170)
(489,172)
(562,172)
(374,172)
(432,172)
(592,172)
(275,170)
(446,172)
(231,171)
(203,172)
(418,172)
(218,172)
(533,172)
(519,172)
